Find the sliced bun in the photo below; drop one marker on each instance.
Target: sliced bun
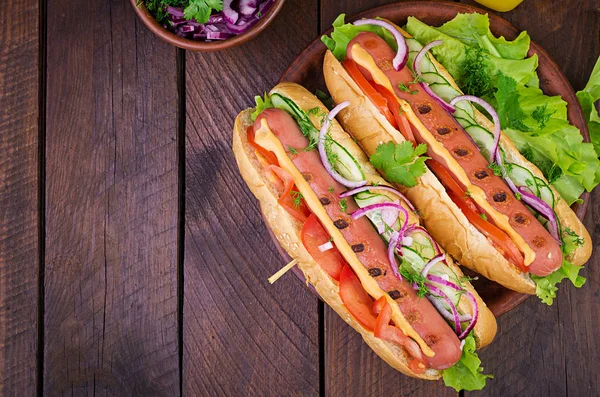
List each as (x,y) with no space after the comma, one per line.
(287,231)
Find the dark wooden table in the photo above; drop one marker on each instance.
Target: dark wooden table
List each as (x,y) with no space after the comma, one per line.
(133,259)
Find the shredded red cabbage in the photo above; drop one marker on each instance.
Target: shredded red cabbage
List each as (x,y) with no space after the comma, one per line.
(221,25)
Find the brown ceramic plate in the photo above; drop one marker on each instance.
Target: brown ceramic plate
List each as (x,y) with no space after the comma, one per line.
(306,70)
(205,46)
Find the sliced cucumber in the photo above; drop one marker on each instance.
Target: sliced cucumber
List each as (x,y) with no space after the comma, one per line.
(521,176)
(368,198)
(433,78)
(423,245)
(346,165)
(545,192)
(483,138)
(445,91)
(283,103)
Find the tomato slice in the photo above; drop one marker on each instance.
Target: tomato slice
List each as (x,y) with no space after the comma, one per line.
(400,117)
(499,239)
(356,299)
(450,183)
(268,155)
(299,211)
(313,235)
(369,91)
(379,304)
(385,331)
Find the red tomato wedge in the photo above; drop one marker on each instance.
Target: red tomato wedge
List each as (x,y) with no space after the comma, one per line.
(313,235)
(390,333)
(394,106)
(499,239)
(450,183)
(299,211)
(267,154)
(369,91)
(356,299)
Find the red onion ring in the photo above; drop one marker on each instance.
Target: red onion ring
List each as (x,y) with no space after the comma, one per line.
(230,14)
(381,187)
(495,152)
(402,53)
(421,55)
(381,206)
(323,153)
(446,283)
(544,209)
(417,228)
(392,254)
(438,292)
(432,262)
(446,314)
(445,105)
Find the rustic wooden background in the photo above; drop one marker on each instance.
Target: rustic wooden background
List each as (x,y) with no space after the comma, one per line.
(133,259)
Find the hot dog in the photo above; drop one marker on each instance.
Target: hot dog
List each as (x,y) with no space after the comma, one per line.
(471,203)
(341,240)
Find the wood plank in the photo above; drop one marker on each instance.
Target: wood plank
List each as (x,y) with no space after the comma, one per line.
(19,178)
(111,204)
(351,367)
(557,345)
(242,336)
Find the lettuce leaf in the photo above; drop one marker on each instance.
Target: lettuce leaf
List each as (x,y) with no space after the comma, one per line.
(587,98)
(261,104)
(466,374)
(474,30)
(344,32)
(453,53)
(546,286)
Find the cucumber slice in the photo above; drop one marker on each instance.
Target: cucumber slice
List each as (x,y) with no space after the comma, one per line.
(283,103)
(545,192)
(423,245)
(445,91)
(433,78)
(521,176)
(483,138)
(346,165)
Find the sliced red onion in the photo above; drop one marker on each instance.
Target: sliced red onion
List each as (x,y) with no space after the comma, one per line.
(407,241)
(445,105)
(380,187)
(187,29)
(389,216)
(416,228)
(438,292)
(421,55)
(544,209)
(392,254)
(323,153)
(433,261)
(382,206)
(325,247)
(247,7)
(264,7)
(175,11)
(494,152)
(446,283)
(216,18)
(218,35)
(446,314)
(402,53)
(231,15)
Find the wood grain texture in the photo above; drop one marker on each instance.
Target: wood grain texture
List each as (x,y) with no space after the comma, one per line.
(111,204)
(242,336)
(351,367)
(19,177)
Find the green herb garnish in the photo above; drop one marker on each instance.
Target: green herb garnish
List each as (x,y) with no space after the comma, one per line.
(292,150)
(476,78)
(343,205)
(404,88)
(542,115)
(484,217)
(297,196)
(401,162)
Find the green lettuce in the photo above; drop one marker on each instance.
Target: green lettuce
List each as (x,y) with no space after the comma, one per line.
(261,104)
(546,286)
(466,374)
(453,53)
(344,32)
(587,98)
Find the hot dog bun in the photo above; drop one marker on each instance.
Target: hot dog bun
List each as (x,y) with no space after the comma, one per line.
(442,217)
(288,232)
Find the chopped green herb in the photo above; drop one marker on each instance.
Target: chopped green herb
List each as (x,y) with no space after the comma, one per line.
(331,156)
(343,205)
(259,14)
(414,278)
(200,10)
(518,196)
(554,173)
(542,115)
(330,189)
(527,152)
(292,150)
(484,217)
(401,162)
(496,168)
(476,78)
(509,109)
(467,193)
(297,196)
(579,241)
(404,88)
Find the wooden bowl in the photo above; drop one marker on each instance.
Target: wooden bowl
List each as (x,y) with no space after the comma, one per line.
(204,46)
(307,70)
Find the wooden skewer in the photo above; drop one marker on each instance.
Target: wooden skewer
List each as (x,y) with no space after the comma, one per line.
(282,271)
